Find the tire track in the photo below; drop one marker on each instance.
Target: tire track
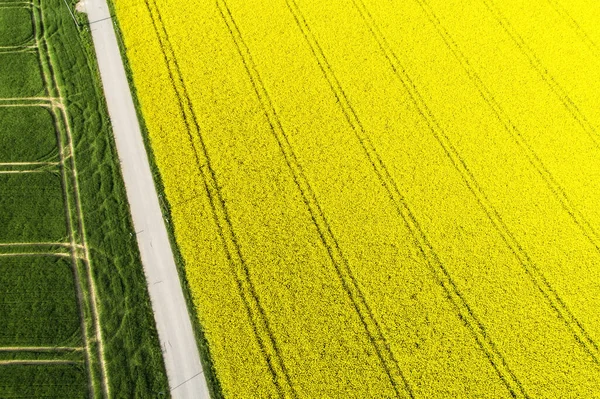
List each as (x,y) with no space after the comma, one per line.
(41,349)
(248,294)
(535,62)
(66,152)
(424,246)
(518,251)
(7,172)
(349,283)
(60,254)
(534,159)
(29,44)
(18,49)
(47,99)
(575,25)
(27,244)
(29,163)
(16,4)
(464,311)
(81,251)
(38,362)
(46,102)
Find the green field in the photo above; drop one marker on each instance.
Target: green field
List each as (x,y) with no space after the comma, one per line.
(38,306)
(16,27)
(75,316)
(27,134)
(20,74)
(64,381)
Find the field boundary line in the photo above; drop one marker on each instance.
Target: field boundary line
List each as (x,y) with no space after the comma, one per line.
(39,98)
(35,244)
(41,349)
(532,156)
(60,254)
(45,59)
(544,73)
(85,257)
(451,152)
(31,50)
(9,172)
(439,270)
(23,5)
(39,362)
(348,281)
(18,49)
(253,308)
(560,10)
(25,105)
(29,163)
(26,44)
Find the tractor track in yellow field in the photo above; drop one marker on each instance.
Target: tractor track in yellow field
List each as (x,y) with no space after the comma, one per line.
(221,217)
(580,31)
(539,67)
(349,283)
(532,270)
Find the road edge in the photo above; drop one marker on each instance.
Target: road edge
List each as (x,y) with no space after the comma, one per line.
(180,353)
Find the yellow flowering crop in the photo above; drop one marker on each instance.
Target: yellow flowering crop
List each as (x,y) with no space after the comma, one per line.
(381,199)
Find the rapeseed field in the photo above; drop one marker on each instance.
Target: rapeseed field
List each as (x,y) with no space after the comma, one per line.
(377,199)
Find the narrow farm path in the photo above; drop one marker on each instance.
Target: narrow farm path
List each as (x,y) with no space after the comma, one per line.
(170,310)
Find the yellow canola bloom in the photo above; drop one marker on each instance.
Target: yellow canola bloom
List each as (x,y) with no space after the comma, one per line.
(372,198)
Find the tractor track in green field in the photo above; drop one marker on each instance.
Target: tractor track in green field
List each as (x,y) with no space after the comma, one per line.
(8,4)
(77,246)
(22,171)
(35,244)
(47,102)
(18,49)
(49,82)
(61,254)
(29,163)
(41,349)
(38,362)
(28,44)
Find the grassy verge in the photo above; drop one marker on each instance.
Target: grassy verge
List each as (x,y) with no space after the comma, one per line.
(133,357)
(205,356)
